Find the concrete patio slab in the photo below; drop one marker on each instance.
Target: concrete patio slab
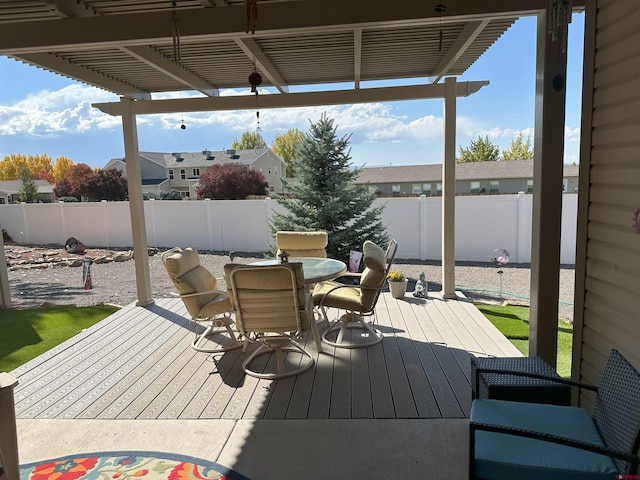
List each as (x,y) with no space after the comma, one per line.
(270,449)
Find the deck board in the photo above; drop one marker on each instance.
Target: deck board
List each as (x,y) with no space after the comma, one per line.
(138,363)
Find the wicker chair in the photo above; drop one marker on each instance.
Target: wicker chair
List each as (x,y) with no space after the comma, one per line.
(198,289)
(529,440)
(270,307)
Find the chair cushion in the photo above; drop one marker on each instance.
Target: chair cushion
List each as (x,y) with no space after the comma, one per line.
(345,297)
(374,256)
(218,305)
(190,277)
(276,282)
(373,274)
(500,456)
(302,244)
(301,240)
(181,262)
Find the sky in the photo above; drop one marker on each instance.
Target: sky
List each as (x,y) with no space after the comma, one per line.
(46,113)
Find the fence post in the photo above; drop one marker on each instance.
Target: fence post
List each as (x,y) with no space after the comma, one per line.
(103,209)
(8,431)
(422,233)
(210,232)
(523,231)
(25,226)
(63,220)
(268,215)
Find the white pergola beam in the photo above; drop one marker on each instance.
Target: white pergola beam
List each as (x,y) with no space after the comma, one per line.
(70,8)
(77,72)
(155,59)
(290,100)
(252,50)
(466,38)
(275,17)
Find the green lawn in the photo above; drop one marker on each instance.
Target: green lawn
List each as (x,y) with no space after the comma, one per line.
(28,333)
(513,322)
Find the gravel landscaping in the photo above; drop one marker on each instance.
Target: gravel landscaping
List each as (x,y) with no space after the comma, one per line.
(33,284)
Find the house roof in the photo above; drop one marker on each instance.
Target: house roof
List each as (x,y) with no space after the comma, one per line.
(199,159)
(12,187)
(464,171)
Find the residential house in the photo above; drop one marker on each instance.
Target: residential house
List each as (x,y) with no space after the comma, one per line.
(163,172)
(10,190)
(475,178)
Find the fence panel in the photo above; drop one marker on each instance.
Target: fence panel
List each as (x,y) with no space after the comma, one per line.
(483,224)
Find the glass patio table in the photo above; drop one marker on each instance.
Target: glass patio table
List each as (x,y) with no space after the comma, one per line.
(314,270)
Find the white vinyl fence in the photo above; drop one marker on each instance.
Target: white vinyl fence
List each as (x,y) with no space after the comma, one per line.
(483,224)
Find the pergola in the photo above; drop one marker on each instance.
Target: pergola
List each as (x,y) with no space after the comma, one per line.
(137,48)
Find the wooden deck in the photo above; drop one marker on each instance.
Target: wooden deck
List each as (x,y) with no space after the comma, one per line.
(138,364)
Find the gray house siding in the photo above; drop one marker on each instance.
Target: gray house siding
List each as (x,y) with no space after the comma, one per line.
(471,179)
(608,251)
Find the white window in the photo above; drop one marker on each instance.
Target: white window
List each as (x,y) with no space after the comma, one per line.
(439,188)
(395,189)
(417,189)
(565,185)
(184,194)
(196,172)
(372,188)
(529,186)
(475,187)
(183,174)
(170,174)
(426,188)
(494,186)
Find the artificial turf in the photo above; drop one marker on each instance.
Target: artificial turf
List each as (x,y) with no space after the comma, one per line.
(25,334)
(513,322)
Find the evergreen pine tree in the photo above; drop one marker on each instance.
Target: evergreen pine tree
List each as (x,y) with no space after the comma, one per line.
(325,196)
(28,189)
(479,150)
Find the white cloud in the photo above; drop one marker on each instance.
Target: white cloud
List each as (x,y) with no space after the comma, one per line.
(52,113)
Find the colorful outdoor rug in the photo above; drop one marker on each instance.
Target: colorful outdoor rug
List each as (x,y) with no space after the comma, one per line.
(127,465)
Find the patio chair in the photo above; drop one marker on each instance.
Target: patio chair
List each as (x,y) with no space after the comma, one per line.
(269,303)
(529,440)
(359,301)
(302,244)
(198,289)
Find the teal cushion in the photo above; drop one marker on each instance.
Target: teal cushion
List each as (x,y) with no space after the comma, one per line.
(499,456)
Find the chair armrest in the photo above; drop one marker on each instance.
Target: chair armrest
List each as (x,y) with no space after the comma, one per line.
(187,295)
(560,380)
(546,437)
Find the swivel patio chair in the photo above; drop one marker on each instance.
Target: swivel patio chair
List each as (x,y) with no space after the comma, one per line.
(528,440)
(269,303)
(198,289)
(358,301)
(302,244)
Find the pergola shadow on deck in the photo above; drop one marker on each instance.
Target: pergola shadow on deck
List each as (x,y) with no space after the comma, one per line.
(138,364)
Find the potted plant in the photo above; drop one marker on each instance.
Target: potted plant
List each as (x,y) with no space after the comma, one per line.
(397,284)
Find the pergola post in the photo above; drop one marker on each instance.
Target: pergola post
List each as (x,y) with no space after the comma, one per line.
(551,70)
(449,191)
(136,204)
(8,432)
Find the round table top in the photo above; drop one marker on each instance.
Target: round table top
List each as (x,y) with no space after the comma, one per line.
(314,269)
